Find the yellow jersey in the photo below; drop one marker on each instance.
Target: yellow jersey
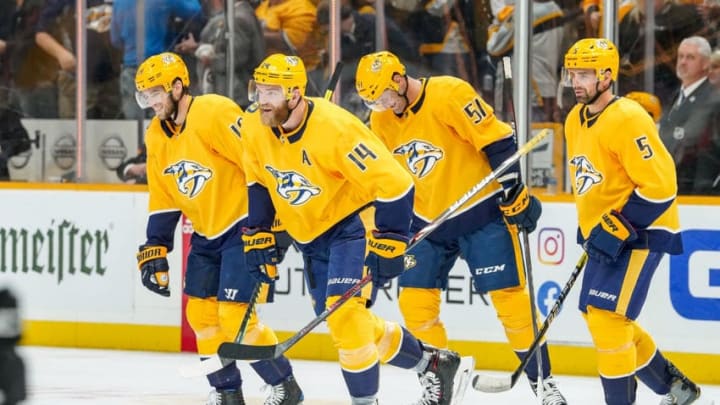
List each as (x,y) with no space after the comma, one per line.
(328,168)
(195,169)
(442,140)
(618,162)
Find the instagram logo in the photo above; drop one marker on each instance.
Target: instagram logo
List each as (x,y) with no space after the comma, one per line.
(551,246)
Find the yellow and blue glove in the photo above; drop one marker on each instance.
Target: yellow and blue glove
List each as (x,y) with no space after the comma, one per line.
(608,238)
(261,254)
(520,208)
(385,258)
(153,266)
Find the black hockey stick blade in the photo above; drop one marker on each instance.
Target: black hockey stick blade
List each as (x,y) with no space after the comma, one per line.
(488,383)
(240,351)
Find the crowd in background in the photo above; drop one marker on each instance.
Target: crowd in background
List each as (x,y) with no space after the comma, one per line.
(464,38)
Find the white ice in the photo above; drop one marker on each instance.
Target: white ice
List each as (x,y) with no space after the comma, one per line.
(83,376)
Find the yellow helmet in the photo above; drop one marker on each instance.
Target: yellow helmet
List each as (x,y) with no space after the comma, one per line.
(649,101)
(594,53)
(161,70)
(375,73)
(281,70)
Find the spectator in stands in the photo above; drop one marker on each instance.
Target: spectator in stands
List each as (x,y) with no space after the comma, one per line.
(287,25)
(33,72)
(358,34)
(689,126)
(714,75)
(211,52)
(157,39)
(133,170)
(649,102)
(358,39)
(547,38)
(673,22)
(55,34)
(710,12)
(441,29)
(14,139)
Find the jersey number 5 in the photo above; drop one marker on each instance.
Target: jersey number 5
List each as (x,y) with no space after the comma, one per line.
(644,146)
(359,153)
(475,111)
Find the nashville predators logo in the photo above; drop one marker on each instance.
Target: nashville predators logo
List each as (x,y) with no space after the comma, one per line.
(293,186)
(585,174)
(420,156)
(409,262)
(189,176)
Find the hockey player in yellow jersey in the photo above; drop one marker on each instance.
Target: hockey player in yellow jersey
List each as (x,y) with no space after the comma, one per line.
(448,138)
(624,185)
(193,161)
(317,166)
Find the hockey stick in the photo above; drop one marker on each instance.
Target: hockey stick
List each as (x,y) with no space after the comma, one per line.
(248,352)
(527,264)
(215,363)
(333,80)
(487,383)
(533,310)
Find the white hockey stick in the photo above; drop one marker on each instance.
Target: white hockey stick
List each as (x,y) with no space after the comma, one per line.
(487,383)
(249,352)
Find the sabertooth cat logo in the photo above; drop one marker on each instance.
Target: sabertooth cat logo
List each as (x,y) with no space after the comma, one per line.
(585,174)
(292,186)
(420,157)
(190,177)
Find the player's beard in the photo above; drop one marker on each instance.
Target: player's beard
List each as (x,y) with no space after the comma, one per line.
(275,117)
(168,110)
(583,96)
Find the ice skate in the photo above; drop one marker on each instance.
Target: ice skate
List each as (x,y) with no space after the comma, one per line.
(287,392)
(551,395)
(682,390)
(438,379)
(226,397)
(364,401)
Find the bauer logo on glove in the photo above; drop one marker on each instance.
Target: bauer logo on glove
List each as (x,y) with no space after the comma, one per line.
(153,265)
(608,239)
(385,259)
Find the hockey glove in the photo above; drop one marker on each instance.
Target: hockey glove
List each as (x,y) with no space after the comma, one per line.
(385,258)
(520,208)
(153,265)
(260,251)
(608,238)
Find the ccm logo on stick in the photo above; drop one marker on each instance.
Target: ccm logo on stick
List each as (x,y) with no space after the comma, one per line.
(695,276)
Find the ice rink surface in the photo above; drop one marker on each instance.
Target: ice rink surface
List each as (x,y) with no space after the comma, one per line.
(58,376)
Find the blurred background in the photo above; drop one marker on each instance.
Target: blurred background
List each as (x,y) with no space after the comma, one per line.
(67,104)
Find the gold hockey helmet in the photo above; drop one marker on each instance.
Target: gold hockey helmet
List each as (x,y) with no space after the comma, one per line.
(375,73)
(281,70)
(599,54)
(161,70)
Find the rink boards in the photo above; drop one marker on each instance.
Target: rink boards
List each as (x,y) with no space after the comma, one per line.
(68,251)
